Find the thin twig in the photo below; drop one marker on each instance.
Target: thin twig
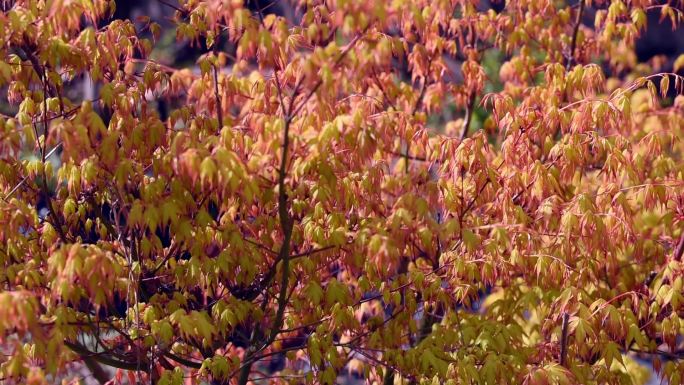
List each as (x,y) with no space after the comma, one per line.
(23,180)
(320,81)
(564,339)
(570,59)
(468,115)
(680,248)
(217,96)
(177,8)
(416,107)
(311,252)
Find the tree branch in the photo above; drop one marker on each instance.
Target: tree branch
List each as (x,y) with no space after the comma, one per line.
(183,361)
(680,248)
(468,115)
(217,96)
(96,370)
(570,59)
(286,221)
(311,252)
(24,179)
(84,353)
(564,340)
(320,81)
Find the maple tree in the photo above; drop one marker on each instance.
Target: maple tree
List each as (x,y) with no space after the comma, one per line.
(410,191)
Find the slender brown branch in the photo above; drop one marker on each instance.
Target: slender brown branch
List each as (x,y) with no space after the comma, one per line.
(564,340)
(570,59)
(96,370)
(320,81)
(27,54)
(411,157)
(217,96)
(24,179)
(311,252)
(177,8)
(183,361)
(468,115)
(286,224)
(259,245)
(680,248)
(286,221)
(43,186)
(382,89)
(416,107)
(290,113)
(175,248)
(83,352)
(676,355)
(392,368)
(421,95)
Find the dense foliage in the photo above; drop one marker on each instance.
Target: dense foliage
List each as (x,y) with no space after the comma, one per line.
(409,191)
